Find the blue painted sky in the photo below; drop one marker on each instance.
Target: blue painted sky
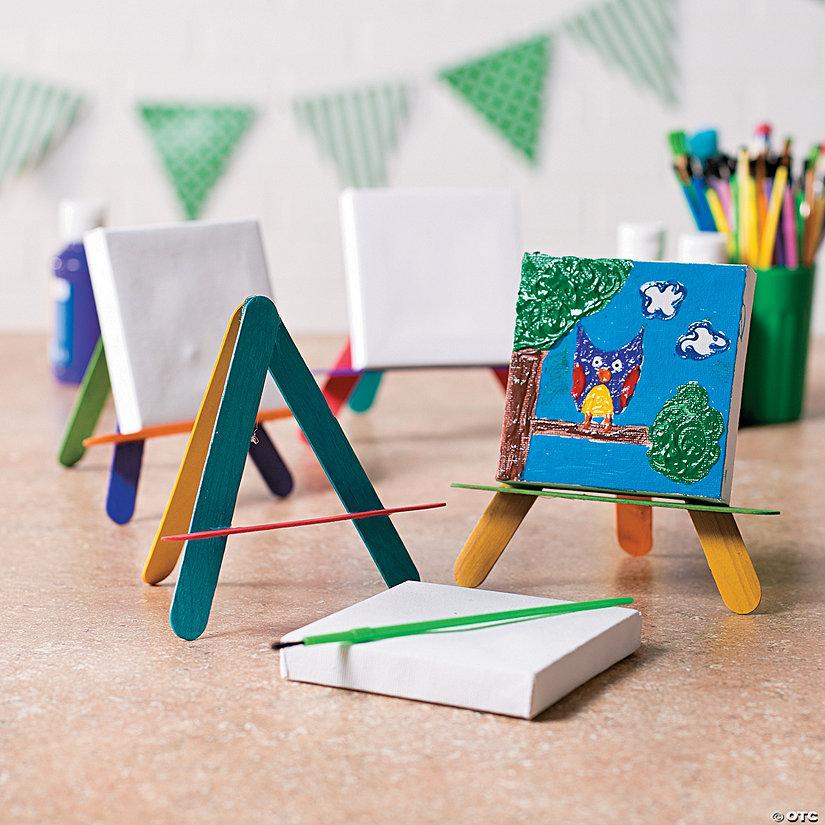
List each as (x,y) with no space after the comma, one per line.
(714,293)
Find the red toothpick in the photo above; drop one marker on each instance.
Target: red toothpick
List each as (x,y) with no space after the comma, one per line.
(278,525)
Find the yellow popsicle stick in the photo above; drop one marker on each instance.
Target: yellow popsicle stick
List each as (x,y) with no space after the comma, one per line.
(728,560)
(490,536)
(164,555)
(772,221)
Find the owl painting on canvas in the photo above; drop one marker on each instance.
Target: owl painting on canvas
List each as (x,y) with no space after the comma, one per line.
(604,380)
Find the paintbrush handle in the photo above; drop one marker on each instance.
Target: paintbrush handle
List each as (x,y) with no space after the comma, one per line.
(371,634)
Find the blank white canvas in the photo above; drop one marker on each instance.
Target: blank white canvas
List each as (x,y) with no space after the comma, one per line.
(515,668)
(432,275)
(164,296)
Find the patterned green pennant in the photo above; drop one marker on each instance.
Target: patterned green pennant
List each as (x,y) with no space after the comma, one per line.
(507,89)
(195,143)
(33,117)
(356,129)
(636,36)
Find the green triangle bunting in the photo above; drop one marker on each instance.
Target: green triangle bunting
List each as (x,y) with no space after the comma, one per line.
(356,129)
(33,117)
(507,89)
(195,143)
(636,36)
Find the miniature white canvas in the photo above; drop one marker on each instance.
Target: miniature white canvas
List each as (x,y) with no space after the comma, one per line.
(432,275)
(516,669)
(164,296)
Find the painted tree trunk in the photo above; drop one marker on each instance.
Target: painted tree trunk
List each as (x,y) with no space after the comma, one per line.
(519,409)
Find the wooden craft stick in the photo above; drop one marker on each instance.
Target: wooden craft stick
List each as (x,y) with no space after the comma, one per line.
(307,522)
(728,560)
(124,476)
(174,428)
(269,463)
(502,374)
(634,528)
(163,556)
(490,536)
(262,340)
(363,394)
(636,501)
(338,388)
(88,405)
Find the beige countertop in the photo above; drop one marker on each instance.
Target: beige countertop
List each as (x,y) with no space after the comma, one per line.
(107,717)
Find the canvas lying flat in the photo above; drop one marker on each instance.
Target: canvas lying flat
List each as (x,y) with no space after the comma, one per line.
(627,376)
(516,668)
(431,275)
(163,295)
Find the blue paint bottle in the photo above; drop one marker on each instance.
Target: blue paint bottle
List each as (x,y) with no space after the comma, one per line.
(76,328)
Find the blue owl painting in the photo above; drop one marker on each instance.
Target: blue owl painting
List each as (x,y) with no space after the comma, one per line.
(653,404)
(604,380)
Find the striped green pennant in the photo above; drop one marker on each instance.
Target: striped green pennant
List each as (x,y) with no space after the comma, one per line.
(356,129)
(195,143)
(506,88)
(33,117)
(636,36)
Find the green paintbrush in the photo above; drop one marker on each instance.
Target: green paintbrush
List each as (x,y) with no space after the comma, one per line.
(371,634)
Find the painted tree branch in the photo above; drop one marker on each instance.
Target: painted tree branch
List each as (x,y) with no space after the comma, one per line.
(627,434)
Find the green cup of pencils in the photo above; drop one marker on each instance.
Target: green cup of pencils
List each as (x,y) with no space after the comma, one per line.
(773,221)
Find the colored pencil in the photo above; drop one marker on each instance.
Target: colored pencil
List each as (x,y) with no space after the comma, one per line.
(769,215)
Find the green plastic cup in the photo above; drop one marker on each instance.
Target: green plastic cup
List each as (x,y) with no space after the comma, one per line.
(778,346)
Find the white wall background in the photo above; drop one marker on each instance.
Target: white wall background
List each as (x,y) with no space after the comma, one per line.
(604,157)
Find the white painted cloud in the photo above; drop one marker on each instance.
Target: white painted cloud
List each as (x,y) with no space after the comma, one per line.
(661,299)
(701,341)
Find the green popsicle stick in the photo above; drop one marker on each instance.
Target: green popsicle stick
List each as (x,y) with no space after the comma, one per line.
(641,502)
(370,634)
(88,405)
(363,395)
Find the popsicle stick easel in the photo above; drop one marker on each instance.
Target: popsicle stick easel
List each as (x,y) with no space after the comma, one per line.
(127,455)
(358,388)
(206,489)
(715,526)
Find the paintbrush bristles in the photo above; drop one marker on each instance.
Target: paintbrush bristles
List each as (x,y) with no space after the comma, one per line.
(282,645)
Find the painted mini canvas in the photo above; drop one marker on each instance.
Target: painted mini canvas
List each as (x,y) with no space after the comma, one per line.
(431,275)
(626,376)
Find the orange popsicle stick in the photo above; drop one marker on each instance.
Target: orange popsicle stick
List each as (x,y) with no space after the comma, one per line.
(174,428)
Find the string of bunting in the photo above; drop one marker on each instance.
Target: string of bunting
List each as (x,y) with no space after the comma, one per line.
(358,129)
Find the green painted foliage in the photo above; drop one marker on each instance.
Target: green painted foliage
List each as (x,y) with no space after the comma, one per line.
(556,293)
(685,435)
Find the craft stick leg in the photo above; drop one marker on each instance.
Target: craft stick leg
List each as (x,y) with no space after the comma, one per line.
(88,405)
(338,388)
(363,394)
(490,536)
(269,463)
(164,555)
(501,374)
(728,560)
(124,476)
(223,468)
(634,528)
